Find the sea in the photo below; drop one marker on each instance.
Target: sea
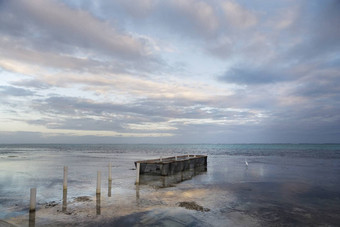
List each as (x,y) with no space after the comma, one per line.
(243,185)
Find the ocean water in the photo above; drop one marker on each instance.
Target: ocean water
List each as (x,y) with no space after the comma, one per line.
(283,185)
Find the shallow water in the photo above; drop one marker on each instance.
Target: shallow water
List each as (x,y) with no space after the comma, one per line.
(282,185)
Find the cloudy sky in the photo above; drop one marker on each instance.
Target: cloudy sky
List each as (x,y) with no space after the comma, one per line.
(169,71)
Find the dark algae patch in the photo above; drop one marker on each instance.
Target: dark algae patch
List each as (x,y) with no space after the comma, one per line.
(83,199)
(193,206)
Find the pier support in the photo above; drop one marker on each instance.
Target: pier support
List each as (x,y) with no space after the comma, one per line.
(137,172)
(31,219)
(65,178)
(33,198)
(98,183)
(109,188)
(64,205)
(98,210)
(110,171)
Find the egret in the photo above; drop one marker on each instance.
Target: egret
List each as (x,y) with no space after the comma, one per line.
(246,162)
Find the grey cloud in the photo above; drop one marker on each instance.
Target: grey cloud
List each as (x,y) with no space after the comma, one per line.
(33,83)
(80,124)
(151,108)
(113,124)
(14,91)
(318,25)
(312,36)
(289,74)
(317,123)
(189,18)
(246,75)
(83,114)
(17,50)
(48,25)
(197,19)
(320,88)
(36,137)
(139,9)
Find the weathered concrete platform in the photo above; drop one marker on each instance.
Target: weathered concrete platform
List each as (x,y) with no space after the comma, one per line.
(158,181)
(172,165)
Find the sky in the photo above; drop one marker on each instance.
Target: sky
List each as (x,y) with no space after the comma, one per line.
(170,71)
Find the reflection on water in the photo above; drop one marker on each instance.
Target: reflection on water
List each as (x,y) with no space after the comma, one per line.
(64,206)
(31,220)
(137,193)
(171,180)
(98,210)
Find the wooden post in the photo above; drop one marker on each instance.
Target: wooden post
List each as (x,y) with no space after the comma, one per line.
(110,171)
(98,204)
(65,178)
(33,198)
(137,172)
(109,188)
(64,204)
(31,219)
(98,183)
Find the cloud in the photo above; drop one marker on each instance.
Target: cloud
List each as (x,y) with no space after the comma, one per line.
(51,21)
(248,72)
(168,116)
(138,9)
(14,91)
(237,15)
(52,34)
(79,124)
(193,15)
(316,27)
(32,83)
(244,75)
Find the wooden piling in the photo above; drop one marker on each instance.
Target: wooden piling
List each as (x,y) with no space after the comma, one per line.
(110,171)
(31,219)
(109,188)
(137,173)
(65,178)
(64,204)
(98,208)
(98,183)
(33,198)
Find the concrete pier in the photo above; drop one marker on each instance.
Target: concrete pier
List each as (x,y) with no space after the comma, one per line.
(172,165)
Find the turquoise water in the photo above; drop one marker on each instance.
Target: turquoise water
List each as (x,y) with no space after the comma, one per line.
(285,177)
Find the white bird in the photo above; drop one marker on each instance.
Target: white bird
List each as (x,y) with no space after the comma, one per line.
(246,162)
